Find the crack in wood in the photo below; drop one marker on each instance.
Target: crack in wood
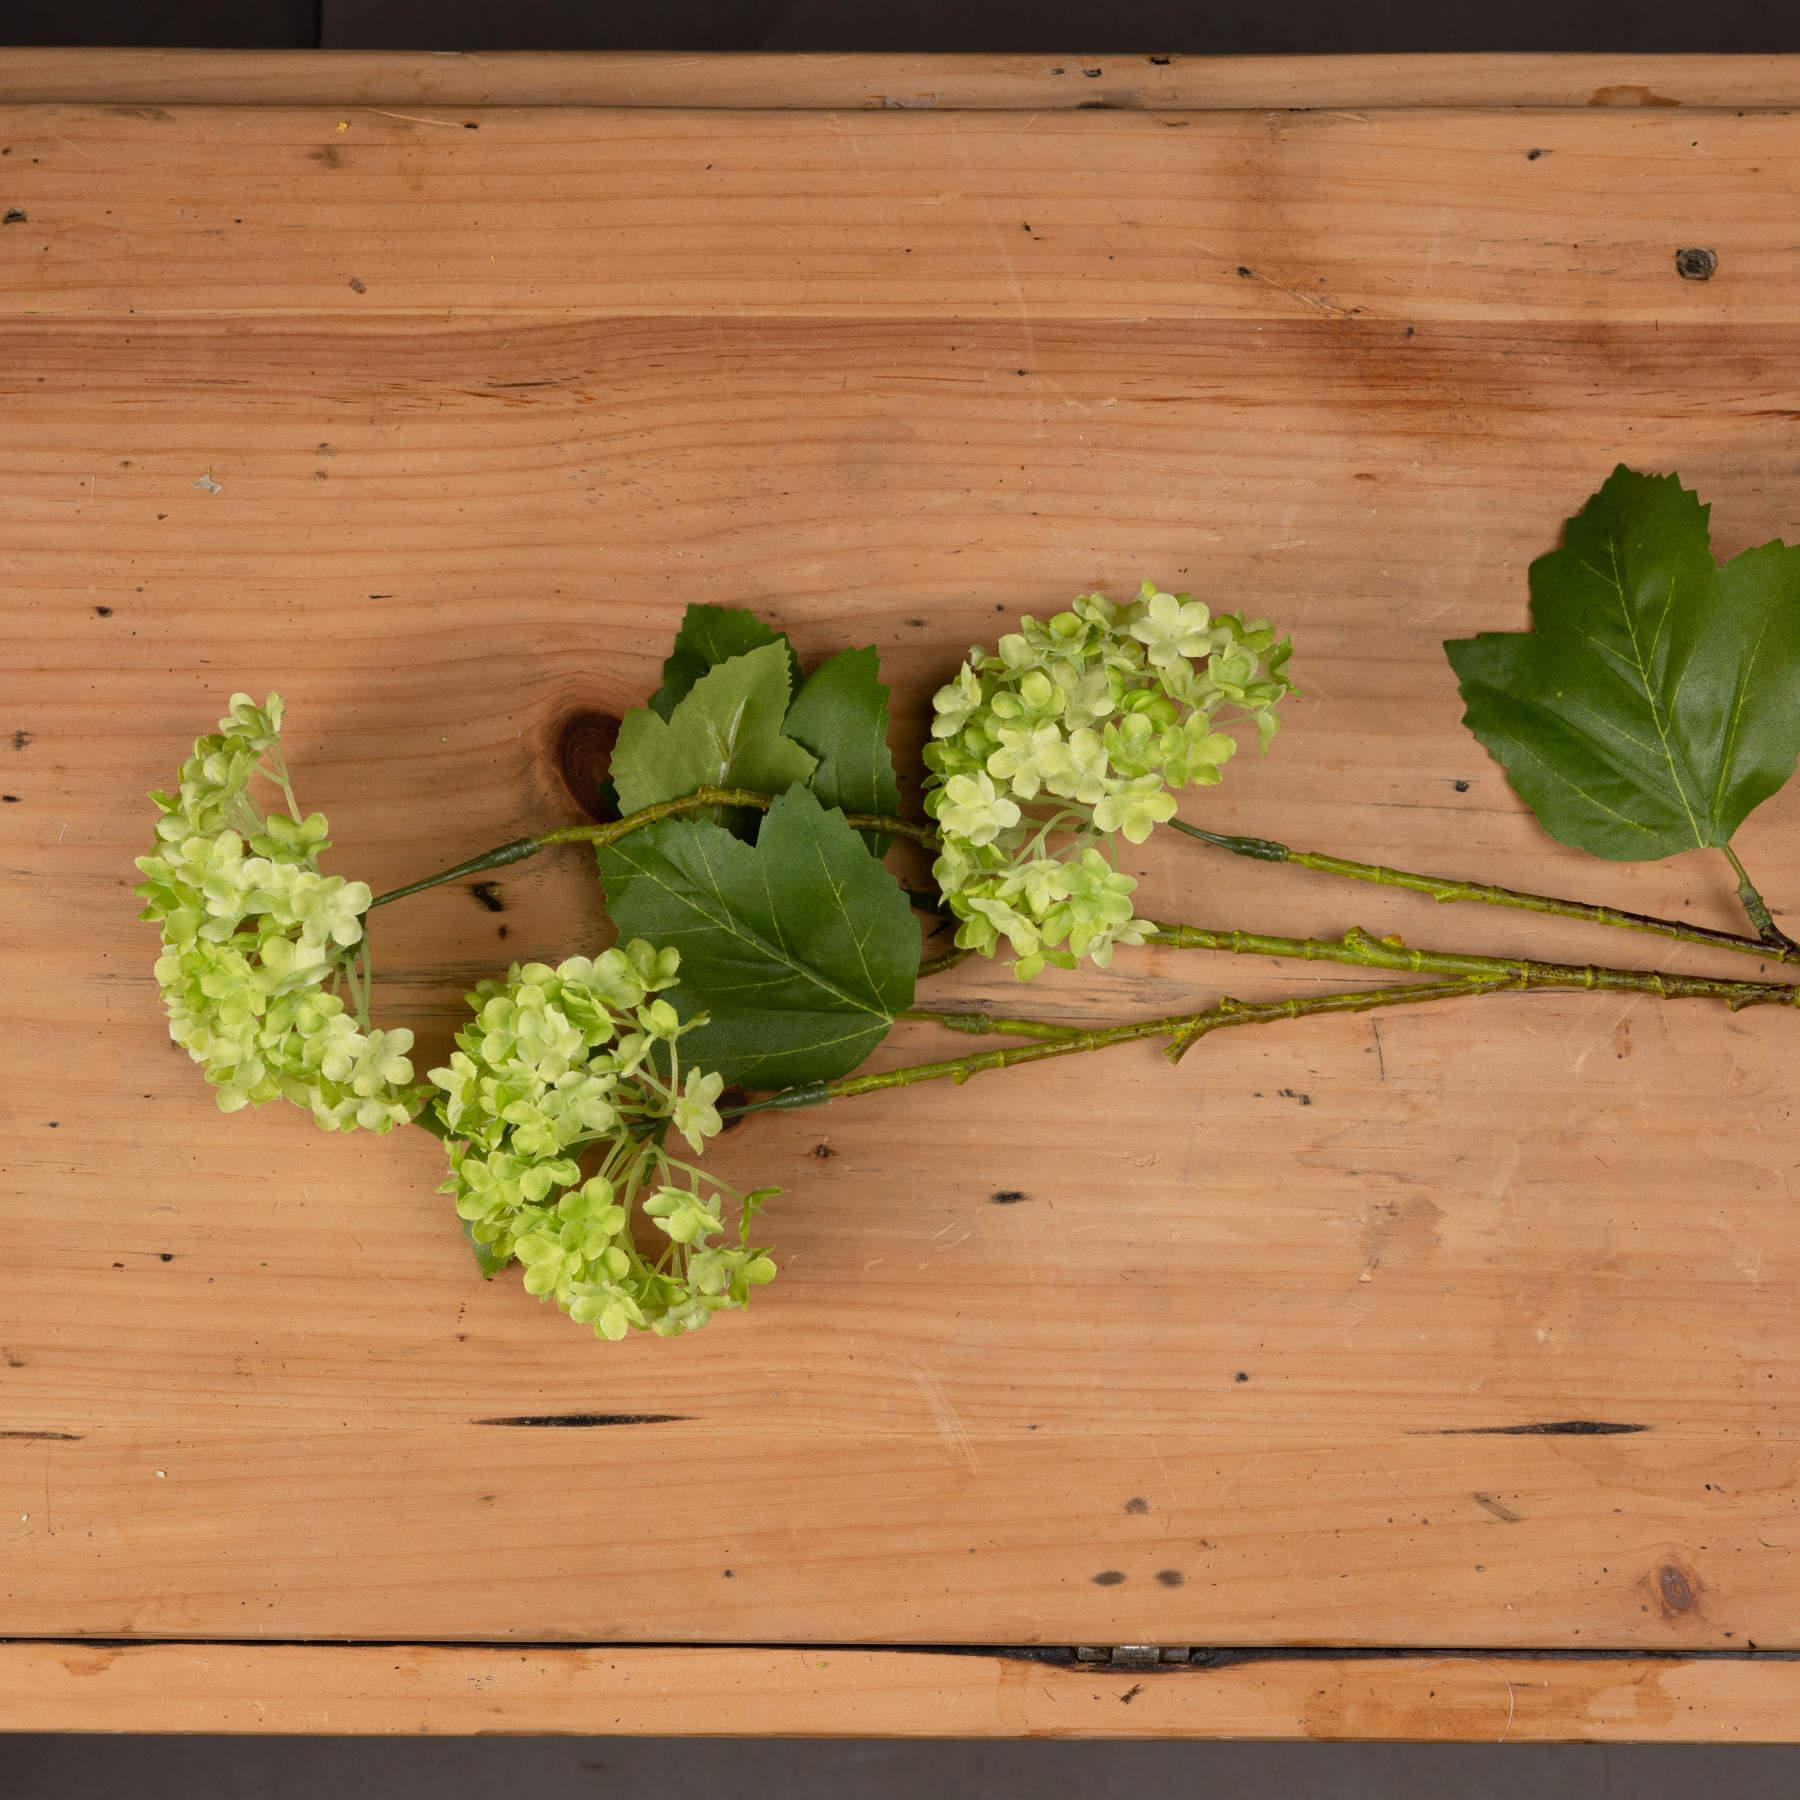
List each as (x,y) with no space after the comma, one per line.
(1222,1657)
(583,1421)
(1554,1428)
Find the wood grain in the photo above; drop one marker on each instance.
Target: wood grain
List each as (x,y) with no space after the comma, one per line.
(815,1692)
(1378,223)
(903,83)
(1252,1354)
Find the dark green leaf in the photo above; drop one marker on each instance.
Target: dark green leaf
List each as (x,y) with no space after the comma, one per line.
(726,732)
(1657,700)
(841,716)
(489,1261)
(710,635)
(800,948)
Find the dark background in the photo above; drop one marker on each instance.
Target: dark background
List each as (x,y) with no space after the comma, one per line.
(1193,26)
(46,1768)
(601,1768)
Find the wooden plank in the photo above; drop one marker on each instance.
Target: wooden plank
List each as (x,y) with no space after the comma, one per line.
(1377,223)
(930,1526)
(891,82)
(1432,1264)
(806,1691)
(247,1377)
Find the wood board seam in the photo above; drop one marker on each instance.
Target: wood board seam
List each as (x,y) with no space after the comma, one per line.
(1201,1659)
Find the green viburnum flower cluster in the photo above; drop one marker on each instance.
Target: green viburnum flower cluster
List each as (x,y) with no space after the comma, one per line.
(254,937)
(1071,736)
(561,1060)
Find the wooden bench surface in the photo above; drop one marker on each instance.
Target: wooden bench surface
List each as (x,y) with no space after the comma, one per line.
(347,377)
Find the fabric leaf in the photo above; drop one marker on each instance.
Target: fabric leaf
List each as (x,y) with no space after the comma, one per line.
(1656,702)
(710,635)
(841,716)
(800,948)
(726,731)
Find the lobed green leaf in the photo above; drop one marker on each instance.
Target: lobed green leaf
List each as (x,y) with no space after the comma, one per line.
(800,948)
(841,716)
(1656,702)
(710,635)
(726,731)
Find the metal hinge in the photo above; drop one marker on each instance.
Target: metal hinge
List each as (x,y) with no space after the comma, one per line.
(1132,1656)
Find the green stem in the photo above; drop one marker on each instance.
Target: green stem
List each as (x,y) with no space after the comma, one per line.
(1774,945)
(1756,910)
(948,959)
(1447,890)
(516,851)
(1364,950)
(980,1024)
(1466,976)
(1183,1030)
(701,800)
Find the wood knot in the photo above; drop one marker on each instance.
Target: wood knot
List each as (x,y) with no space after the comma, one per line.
(1676,1589)
(584,748)
(1696,265)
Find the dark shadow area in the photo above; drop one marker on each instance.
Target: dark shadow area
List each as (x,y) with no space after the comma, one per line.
(1226,27)
(41,1768)
(220,24)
